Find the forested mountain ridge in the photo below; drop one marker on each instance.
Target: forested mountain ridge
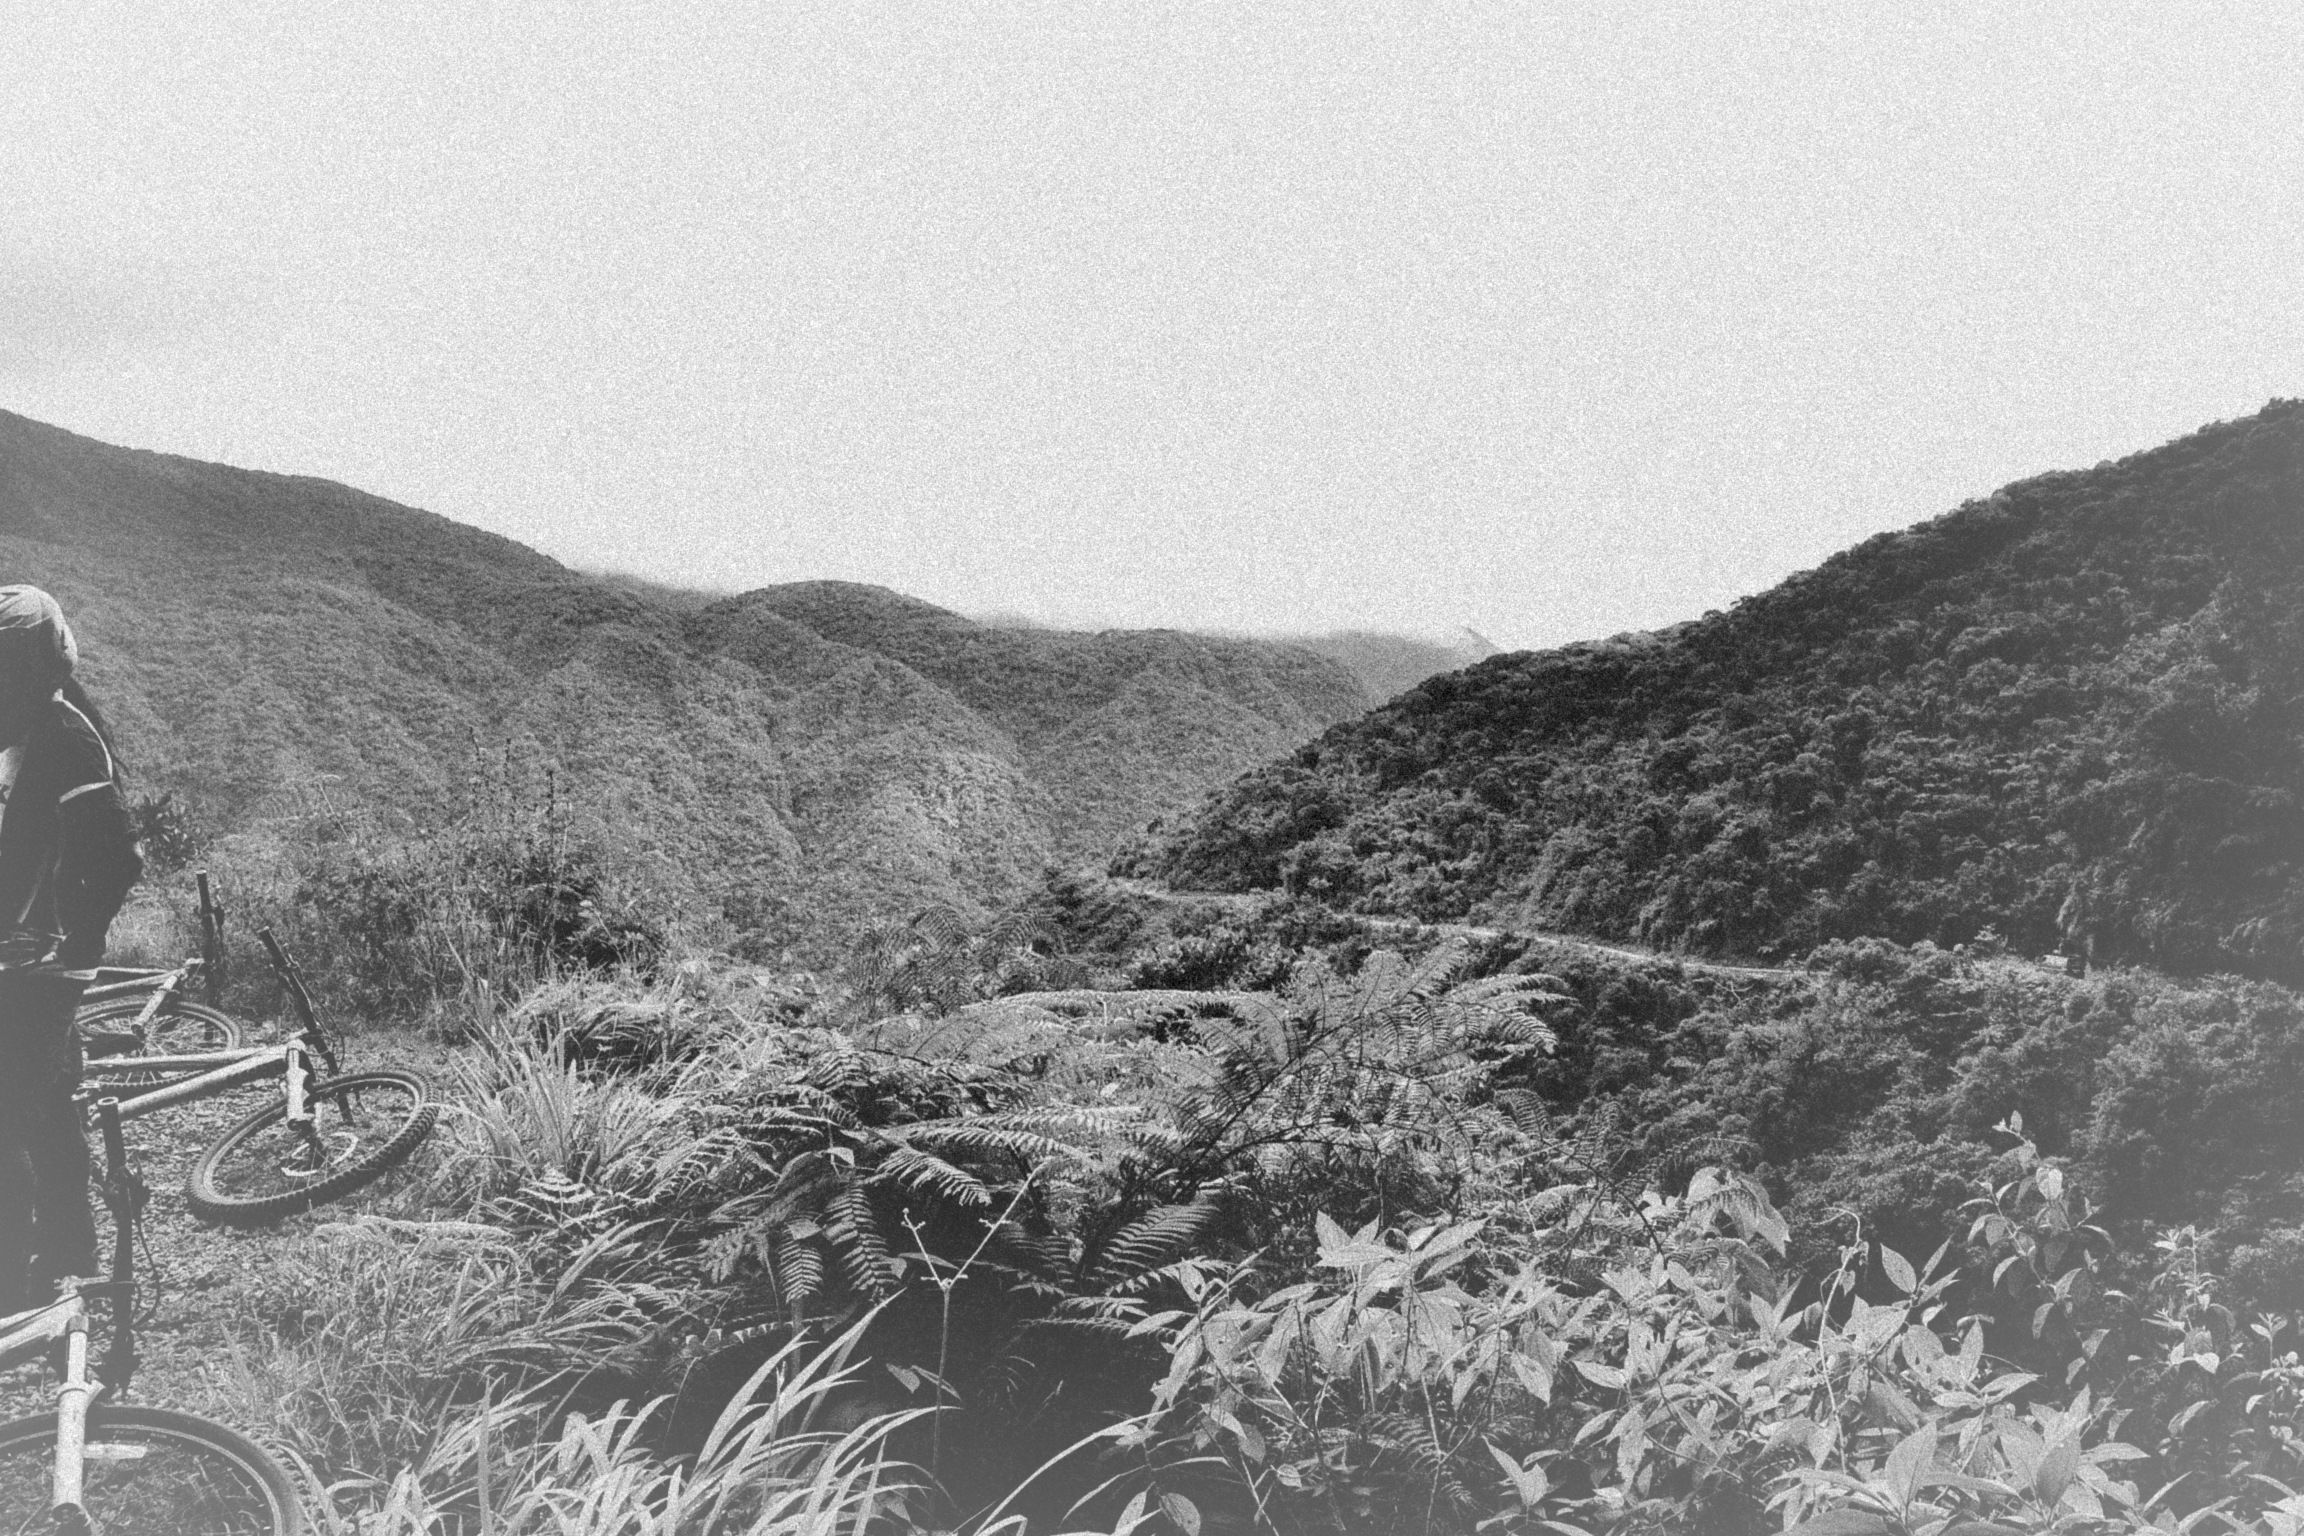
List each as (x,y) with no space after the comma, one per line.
(1075,704)
(2073,712)
(812,755)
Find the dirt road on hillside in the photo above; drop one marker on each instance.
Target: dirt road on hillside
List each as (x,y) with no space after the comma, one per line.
(1242,903)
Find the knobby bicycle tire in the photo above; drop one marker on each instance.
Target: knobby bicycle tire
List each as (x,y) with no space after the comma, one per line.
(258,1172)
(179,1028)
(151,1472)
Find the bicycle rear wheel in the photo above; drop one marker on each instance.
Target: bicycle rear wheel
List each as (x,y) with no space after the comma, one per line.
(150,1472)
(265,1169)
(108,1029)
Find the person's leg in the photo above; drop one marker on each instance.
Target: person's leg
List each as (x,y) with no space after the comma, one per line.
(64,1231)
(15,1222)
(64,1226)
(17,1103)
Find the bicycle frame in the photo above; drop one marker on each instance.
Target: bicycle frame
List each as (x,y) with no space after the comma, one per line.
(213,1072)
(67,1319)
(121,981)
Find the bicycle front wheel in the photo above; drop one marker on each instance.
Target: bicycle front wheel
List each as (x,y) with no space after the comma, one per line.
(265,1169)
(150,1472)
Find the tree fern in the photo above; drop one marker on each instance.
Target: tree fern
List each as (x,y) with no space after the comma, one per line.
(1395,1061)
(933,961)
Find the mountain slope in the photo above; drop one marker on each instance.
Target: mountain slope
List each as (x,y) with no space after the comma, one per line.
(826,751)
(2073,712)
(1092,716)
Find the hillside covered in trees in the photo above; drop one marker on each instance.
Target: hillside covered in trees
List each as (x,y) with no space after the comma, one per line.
(790,760)
(2072,712)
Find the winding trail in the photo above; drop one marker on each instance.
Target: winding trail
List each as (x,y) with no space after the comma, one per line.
(1586,946)
(1246,902)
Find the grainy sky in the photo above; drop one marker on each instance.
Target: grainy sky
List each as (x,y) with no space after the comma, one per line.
(1548,320)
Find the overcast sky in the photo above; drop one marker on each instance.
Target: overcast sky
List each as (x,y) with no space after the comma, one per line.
(1552,321)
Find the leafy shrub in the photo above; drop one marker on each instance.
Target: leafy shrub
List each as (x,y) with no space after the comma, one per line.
(1224,959)
(392,918)
(1454,1376)
(165,830)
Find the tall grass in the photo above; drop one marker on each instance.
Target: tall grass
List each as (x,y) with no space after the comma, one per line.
(366,1338)
(772,1465)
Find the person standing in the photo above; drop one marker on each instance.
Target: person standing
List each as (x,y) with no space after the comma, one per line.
(68,857)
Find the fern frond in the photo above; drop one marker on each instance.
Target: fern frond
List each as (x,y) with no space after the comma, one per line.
(853,1230)
(798,1272)
(816,1171)
(939,924)
(1404,1435)
(927,1174)
(724,1251)
(1149,1242)
(974,1138)
(1116,1329)
(1525,1110)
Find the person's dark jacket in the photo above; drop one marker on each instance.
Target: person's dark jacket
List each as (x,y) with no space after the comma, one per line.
(67,850)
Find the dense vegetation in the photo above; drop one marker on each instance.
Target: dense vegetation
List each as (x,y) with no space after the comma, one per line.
(274,647)
(2072,713)
(1365,1229)
(1869,1082)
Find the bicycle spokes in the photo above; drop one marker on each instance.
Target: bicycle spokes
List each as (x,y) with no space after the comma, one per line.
(319,1150)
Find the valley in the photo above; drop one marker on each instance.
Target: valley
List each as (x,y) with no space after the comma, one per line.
(1166,1088)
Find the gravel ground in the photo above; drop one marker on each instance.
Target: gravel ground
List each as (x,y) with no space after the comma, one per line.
(189,1272)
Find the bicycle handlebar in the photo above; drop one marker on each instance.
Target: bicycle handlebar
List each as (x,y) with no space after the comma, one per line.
(298,994)
(211,940)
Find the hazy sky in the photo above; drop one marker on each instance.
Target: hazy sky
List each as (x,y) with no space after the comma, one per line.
(1549,320)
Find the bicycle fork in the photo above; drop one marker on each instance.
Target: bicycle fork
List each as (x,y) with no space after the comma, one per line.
(299,1072)
(79,1389)
(72,1400)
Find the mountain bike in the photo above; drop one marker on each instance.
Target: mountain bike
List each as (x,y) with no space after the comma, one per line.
(136,1012)
(96,1467)
(324,1137)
